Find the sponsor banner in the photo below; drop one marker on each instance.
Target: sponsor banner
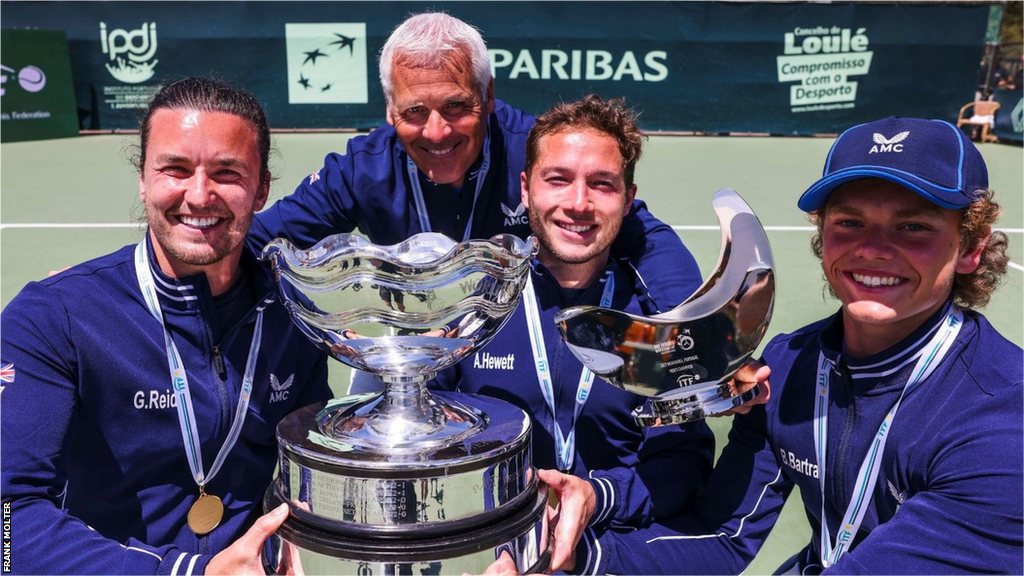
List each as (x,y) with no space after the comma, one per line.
(781,68)
(1010,116)
(36,98)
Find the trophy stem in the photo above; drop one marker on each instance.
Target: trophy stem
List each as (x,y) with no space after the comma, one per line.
(410,405)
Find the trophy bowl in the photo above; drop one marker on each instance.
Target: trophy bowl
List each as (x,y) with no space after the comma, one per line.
(405,480)
(683,360)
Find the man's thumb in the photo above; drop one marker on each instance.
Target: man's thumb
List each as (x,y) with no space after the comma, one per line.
(268,523)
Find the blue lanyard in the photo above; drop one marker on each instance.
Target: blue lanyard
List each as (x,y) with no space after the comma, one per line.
(929,358)
(179,379)
(565,445)
(417,191)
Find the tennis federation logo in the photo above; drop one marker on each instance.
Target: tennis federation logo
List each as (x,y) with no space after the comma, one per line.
(883,144)
(280,389)
(326,63)
(515,217)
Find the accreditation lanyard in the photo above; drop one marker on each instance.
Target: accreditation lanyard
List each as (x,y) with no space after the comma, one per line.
(565,445)
(417,190)
(929,358)
(179,379)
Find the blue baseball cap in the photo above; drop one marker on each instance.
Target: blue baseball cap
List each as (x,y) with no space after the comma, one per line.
(931,157)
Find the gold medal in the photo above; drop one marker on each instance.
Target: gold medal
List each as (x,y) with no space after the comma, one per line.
(205,514)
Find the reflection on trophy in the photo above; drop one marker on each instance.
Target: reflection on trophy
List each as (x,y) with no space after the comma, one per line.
(405,481)
(683,360)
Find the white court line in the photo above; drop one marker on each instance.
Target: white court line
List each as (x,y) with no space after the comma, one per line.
(808,229)
(768,228)
(693,228)
(1013,265)
(44,226)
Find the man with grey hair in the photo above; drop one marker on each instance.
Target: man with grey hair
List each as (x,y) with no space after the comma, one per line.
(449,161)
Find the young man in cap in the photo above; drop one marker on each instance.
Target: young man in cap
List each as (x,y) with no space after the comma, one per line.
(899,418)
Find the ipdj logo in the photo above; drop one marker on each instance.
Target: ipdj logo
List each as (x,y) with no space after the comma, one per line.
(130,52)
(30,78)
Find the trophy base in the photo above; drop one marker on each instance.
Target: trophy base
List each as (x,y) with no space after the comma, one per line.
(459,479)
(665,412)
(523,533)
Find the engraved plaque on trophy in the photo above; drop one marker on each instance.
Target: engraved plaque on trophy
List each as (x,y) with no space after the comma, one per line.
(405,481)
(683,360)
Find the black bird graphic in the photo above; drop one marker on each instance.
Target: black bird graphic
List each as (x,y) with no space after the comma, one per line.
(304,81)
(312,56)
(343,41)
(326,87)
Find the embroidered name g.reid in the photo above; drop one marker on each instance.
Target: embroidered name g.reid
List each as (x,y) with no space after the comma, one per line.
(487,361)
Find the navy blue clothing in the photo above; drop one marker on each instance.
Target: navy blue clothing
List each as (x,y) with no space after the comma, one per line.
(638,474)
(949,492)
(369,188)
(90,425)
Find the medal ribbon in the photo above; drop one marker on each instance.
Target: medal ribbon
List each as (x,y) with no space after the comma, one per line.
(929,358)
(565,445)
(179,379)
(417,191)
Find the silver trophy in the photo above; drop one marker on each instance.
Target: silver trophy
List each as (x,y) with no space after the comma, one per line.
(683,360)
(405,481)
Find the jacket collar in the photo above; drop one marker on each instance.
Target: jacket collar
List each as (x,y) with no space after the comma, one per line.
(889,367)
(186,293)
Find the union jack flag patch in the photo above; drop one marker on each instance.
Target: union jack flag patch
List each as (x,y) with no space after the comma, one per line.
(7,373)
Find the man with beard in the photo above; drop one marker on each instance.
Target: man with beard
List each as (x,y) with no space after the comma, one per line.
(139,426)
(577,188)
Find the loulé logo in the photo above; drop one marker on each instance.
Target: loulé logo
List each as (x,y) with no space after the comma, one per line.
(130,52)
(326,63)
(821,59)
(30,78)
